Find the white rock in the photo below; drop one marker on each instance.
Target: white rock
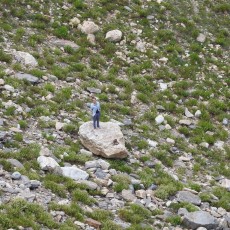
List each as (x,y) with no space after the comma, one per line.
(204,144)
(47,163)
(164,60)
(185,122)
(74,173)
(140,46)
(188,114)
(168,127)
(152,143)
(45,152)
(163,86)
(201,38)
(91,39)
(225,183)
(198,113)
(2,82)
(170,141)
(114,35)
(88,27)
(74,21)
(59,125)
(108,141)
(159,119)
(25,58)
(219,144)
(9,88)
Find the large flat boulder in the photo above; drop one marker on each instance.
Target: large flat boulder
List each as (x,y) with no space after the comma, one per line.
(186,196)
(198,219)
(108,141)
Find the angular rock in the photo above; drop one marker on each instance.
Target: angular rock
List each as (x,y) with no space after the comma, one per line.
(74,173)
(93,223)
(201,38)
(47,163)
(159,119)
(198,113)
(90,184)
(225,183)
(198,219)
(16,176)
(9,88)
(25,58)
(114,35)
(188,197)
(74,21)
(128,195)
(108,141)
(88,27)
(185,122)
(63,43)
(93,90)
(15,163)
(85,152)
(91,39)
(25,76)
(188,114)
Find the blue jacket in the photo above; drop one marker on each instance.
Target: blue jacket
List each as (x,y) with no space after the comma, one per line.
(95,107)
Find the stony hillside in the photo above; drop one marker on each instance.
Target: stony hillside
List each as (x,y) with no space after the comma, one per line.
(160,69)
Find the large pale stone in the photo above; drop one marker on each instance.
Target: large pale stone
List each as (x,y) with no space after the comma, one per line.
(108,141)
(88,27)
(197,219)
(114,35)
(185,196)
(25,58)
(26,76)
(47,163)
(63,43)
(74,173)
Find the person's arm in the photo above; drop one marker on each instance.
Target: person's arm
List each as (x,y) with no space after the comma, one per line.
(98,106)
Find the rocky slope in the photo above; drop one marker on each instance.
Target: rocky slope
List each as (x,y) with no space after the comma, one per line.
(160,70)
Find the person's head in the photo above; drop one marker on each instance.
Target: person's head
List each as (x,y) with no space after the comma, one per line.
(94,100)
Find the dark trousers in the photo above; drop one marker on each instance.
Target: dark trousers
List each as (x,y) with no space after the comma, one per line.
(96,118)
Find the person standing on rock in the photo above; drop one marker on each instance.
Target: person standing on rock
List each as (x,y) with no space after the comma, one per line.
(96,112)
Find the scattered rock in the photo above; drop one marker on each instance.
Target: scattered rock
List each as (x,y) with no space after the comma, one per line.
(188,114)
(159,119)
(198,219)
(128,195)
(201,38)
(88,27)
(101,141)
(74,173)
(47,163)
(93,223)
(93,90)
(15,163)
(25,58)
(225,183)
(185,196)
(64,43)
(16,176)
(185,122)
(25,76)
(74,22)
(114,35)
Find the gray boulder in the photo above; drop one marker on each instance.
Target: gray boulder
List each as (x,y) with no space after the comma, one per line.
(25,58)
(74,173)
(188,197)
(47,163)
(26,76)
(108,141)
(198,219)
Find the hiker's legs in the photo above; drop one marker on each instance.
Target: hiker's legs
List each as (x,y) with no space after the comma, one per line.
(94,121)
(98,118)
